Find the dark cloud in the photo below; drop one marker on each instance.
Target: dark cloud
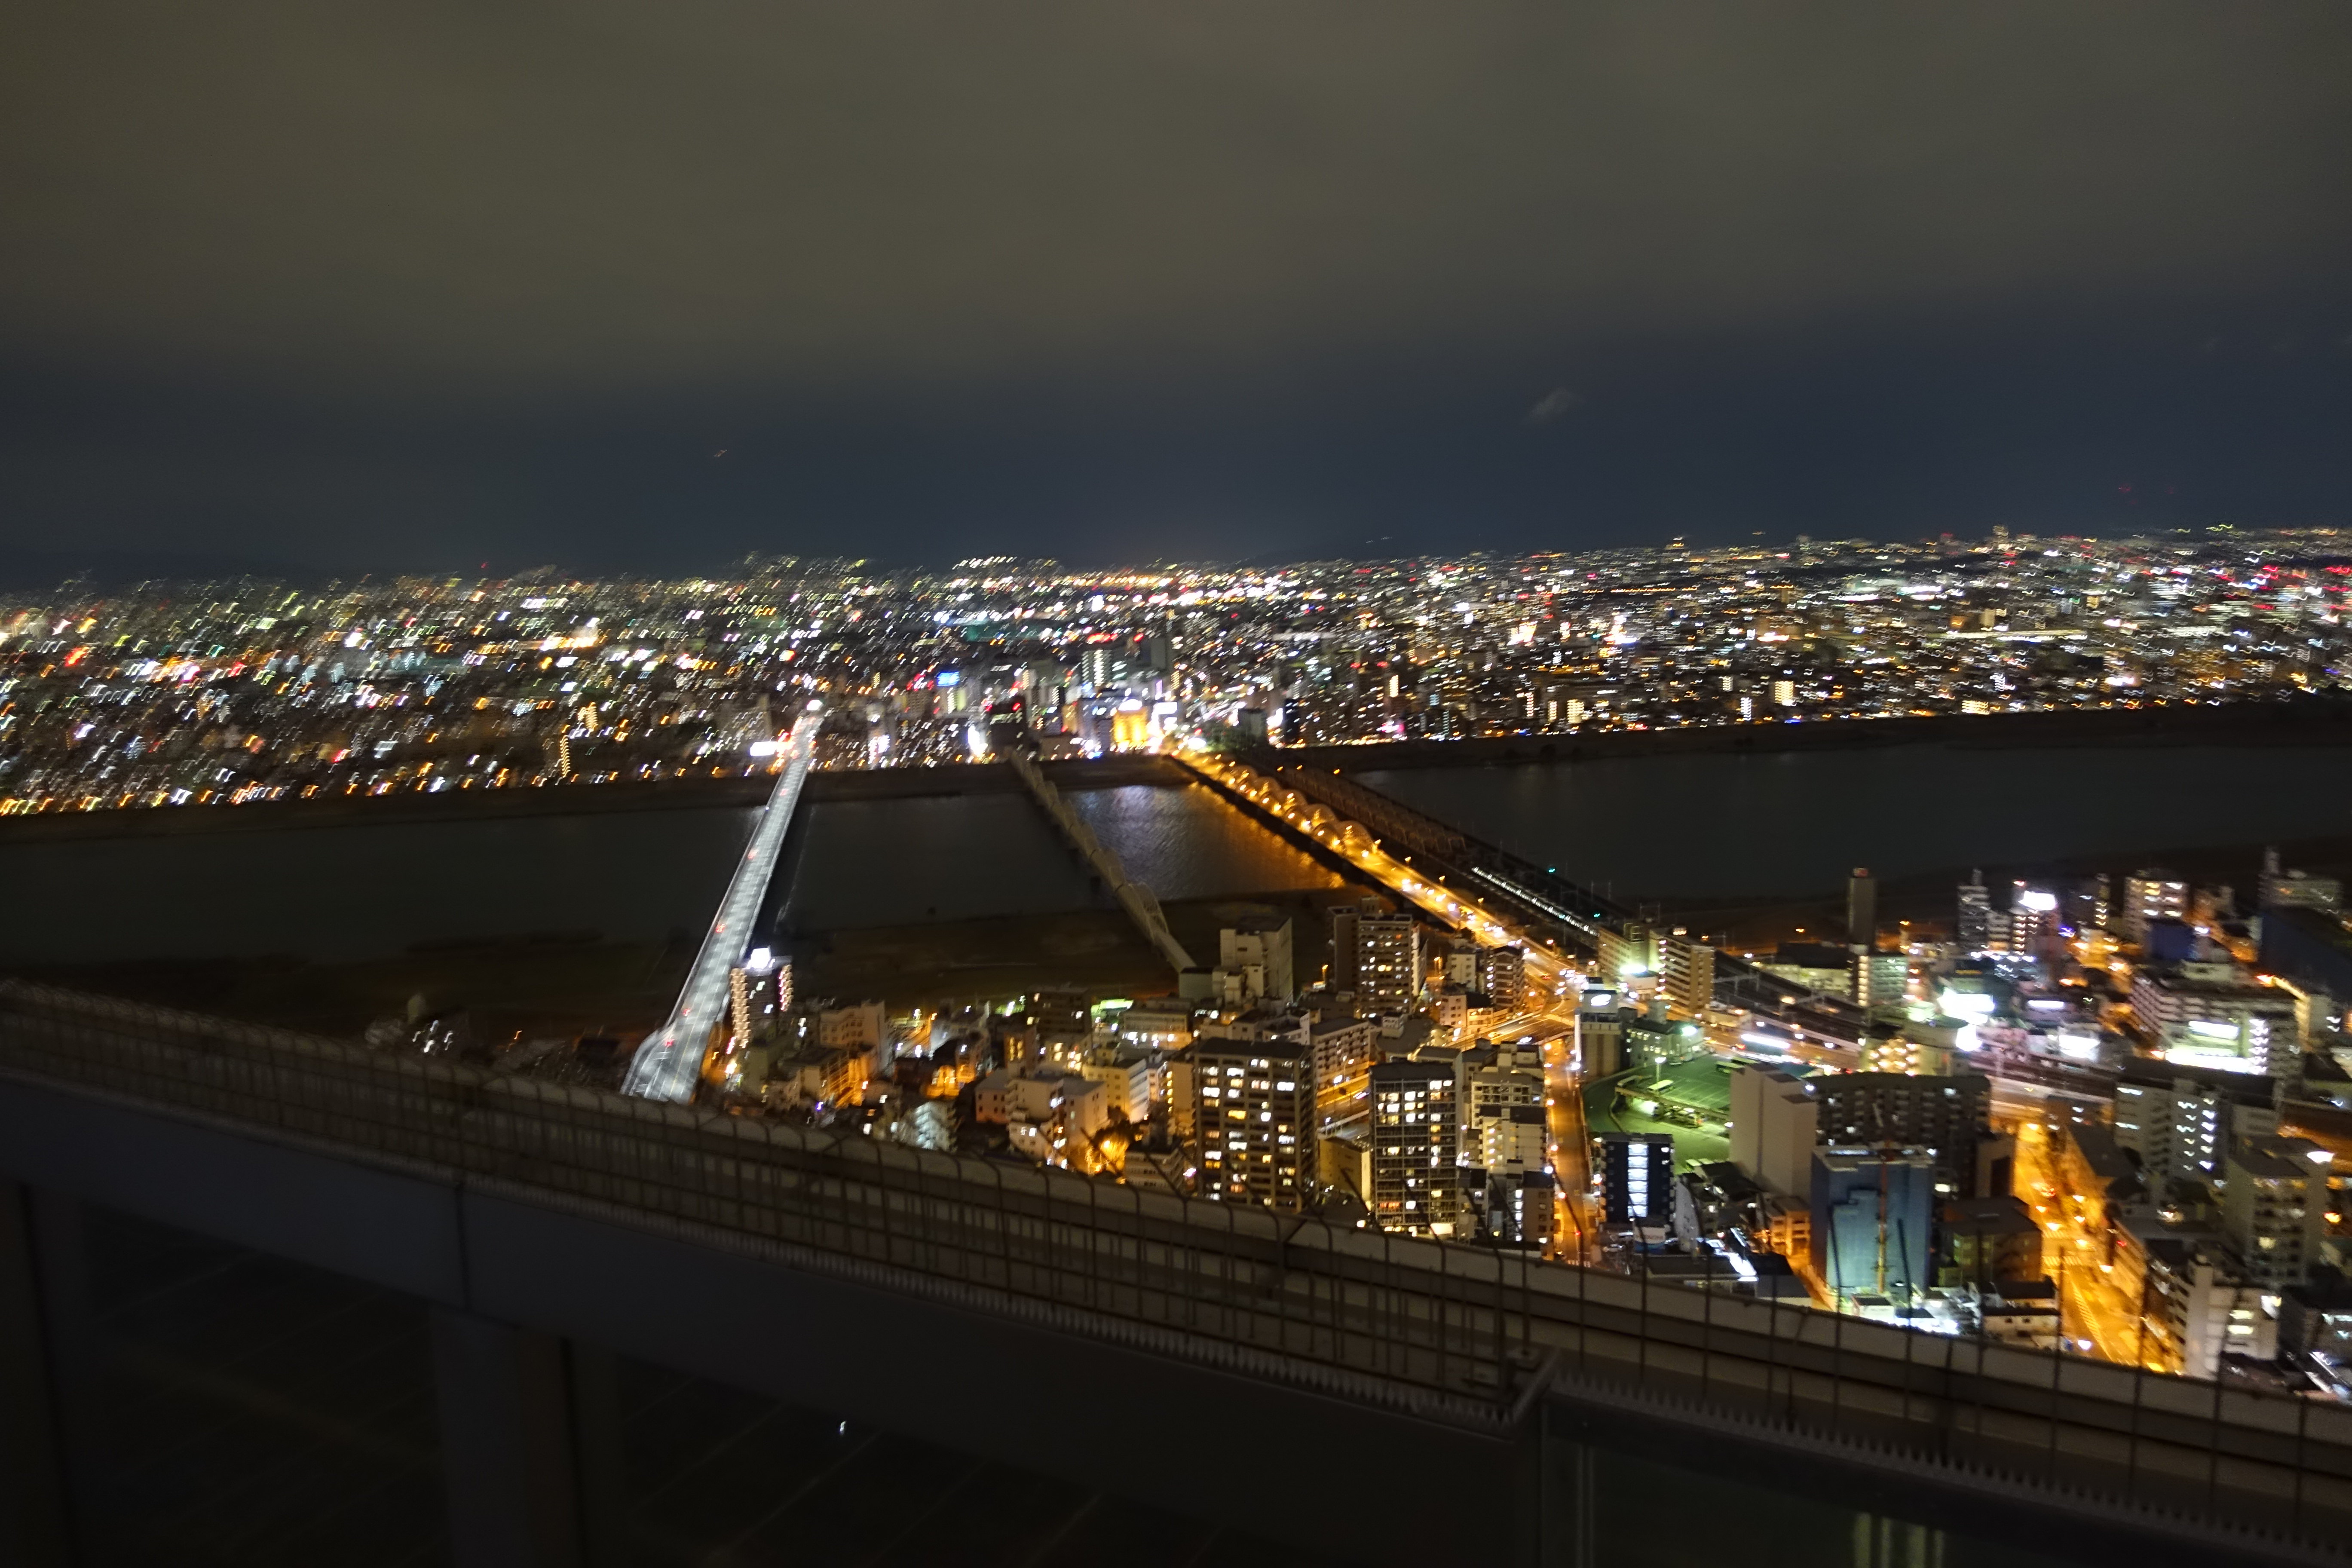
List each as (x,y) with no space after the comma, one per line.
(411,275)
(1557,403)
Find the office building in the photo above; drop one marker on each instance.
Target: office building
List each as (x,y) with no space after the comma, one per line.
(1945,1116)
(1344,1047)
(1989,1240)
(2209,1014)
(2177,1121)
(2275,1207)
(1499,1095)
(1623,952)
(1127,1074)
(2287,889)
(1815,965)
(1773,1120)
(1686,968)
(1522,1208)
(2153,894)
(1342,974)
(2314,949)
(1972,931)
(1510,1140)
(1257,1118)
(1861,908)
(2314,1319)
(1255,949)
(2033,928)
(1881,979)
(1637,1178)
(1503,976)
(1387,961)
(2086,904)
(1416,1146)
(2194,1307)
(1164,1026)
(860,1026)
(1873,1210)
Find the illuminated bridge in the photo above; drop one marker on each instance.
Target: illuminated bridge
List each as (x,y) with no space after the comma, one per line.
(1367,1397)
(1582,919)
(669,1060)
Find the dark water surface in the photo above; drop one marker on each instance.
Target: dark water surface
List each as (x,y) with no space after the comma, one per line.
(944,858)
(1189,843)
(1672,826)
(351,892)
(1795,822)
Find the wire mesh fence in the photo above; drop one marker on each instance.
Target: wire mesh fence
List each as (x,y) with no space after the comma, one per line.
(1454,1332)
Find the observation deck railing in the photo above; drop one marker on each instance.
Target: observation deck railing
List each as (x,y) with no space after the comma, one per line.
(1455,1333)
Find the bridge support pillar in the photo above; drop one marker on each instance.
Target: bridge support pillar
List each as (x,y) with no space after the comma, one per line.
(529,1447)
(36,1519)
(52,1470)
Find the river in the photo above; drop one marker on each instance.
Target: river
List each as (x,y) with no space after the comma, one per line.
(1666,827)
(1795,823)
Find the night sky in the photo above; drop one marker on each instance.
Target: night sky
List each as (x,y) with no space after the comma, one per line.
(310,289)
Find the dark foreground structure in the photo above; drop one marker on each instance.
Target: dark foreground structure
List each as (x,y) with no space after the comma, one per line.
(521,1295)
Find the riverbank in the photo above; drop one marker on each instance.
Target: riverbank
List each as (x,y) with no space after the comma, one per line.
(570,800)
(1928,900)
(2308,721)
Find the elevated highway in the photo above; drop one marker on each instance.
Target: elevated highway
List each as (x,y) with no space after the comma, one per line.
(1278,1343)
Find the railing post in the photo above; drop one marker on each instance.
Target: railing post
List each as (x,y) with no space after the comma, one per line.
(1003,1227)
(1502,1331)
(1444,1324)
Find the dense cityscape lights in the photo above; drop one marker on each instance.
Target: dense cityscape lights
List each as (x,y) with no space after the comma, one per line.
(169,693)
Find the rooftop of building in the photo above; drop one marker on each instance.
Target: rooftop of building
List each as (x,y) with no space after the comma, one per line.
(2004,1214)
(1811,955)
(1958,1084)
(1205,1046)
(2108,1163)
(2244,1089)
(2277,1159)
(2328,1290)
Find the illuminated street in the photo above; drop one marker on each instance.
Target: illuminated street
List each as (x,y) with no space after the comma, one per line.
(1551,981)
(2096,1306)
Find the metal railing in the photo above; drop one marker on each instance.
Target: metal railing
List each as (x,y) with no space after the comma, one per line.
(1455,1333)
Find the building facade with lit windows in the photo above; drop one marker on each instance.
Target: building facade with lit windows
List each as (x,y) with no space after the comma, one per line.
(1416,1146)
(1344,1047)
(2194,1307)
(2177,1121)
(1686,970)
(1256,1100)
(1945,1116)
(1388,962)
(1637,1178)
(2209,1014)
(2151,895)
(2275,1207)
(1503,976)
